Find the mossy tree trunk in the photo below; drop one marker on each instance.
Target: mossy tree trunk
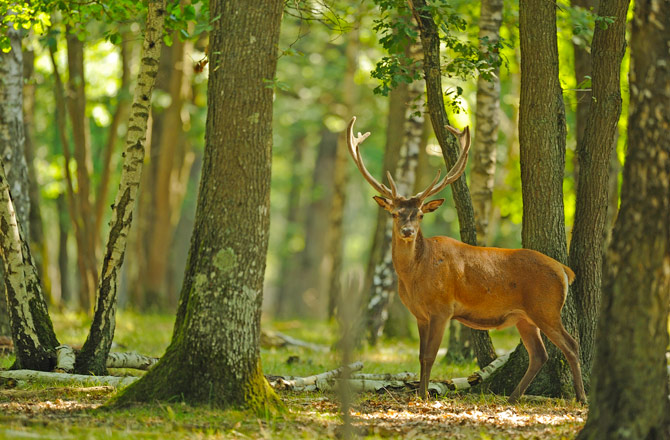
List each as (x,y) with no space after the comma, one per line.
(430,42)
(629,391)
(93,355)
(594,152)
(214,354)
(542,147)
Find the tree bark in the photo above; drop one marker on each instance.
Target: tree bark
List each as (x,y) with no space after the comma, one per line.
(450,148)
(633,321)
(72,205)
(94,353)
(542,145)
(594,152)
(31,329)
(66,295)
(582,71)
(36,234)
(76,105)
(340,175)
(304,287)
(292,216)
(165,177)
(487,118)
(32,332)
(120,114)
(218,320)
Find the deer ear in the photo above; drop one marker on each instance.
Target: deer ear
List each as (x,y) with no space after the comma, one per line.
(384,203)
(432,205)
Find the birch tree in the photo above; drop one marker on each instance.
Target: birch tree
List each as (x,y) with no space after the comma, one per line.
(31,328)
(93,355)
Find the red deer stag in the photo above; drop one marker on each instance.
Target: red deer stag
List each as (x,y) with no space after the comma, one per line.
(440,278)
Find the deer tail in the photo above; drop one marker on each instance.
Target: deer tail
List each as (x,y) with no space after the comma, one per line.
(569,273)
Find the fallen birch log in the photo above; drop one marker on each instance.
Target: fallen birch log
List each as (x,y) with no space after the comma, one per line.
(65,378)
(329,381)
(65,358)
(130,360)
(308,383)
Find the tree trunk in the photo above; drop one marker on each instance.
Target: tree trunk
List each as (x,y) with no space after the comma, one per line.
(31,329)
(292,217)
(629,395)
(217,329)
(76,104)
(120,114)
(385,280)
(12,139)
(487,117)
(66,295)
(594,152)
(340,175)
(164,180)
(72,205)
(36,234)
(542,144)
(304,287)
(450,148)
(93,355)
(582,71)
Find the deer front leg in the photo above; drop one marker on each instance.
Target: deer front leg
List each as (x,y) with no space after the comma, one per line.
(424,327)
(427,356)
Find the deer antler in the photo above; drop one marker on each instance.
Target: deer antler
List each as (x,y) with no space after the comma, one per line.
(455,171)
(354,143)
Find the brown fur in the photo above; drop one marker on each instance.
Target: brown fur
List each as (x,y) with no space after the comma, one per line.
(441,278)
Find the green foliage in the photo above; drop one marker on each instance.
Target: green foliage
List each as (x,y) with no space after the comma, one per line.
(464,59)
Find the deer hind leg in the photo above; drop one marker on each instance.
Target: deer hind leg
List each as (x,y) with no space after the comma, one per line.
(537,356)
(570,348)
(430,333)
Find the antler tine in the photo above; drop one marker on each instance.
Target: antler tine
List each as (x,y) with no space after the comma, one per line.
(458,168)
(394,189)
(354,150)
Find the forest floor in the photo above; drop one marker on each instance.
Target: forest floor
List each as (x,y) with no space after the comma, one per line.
(72,412)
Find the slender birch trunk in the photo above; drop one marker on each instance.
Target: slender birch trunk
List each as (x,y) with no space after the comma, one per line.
(31,327)
(94,353)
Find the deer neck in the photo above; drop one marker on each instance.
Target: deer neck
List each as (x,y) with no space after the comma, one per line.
(407,253)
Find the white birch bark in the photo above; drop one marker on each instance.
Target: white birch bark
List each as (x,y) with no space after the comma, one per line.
(24,332)
(94,352)
(487,118)
(65,378)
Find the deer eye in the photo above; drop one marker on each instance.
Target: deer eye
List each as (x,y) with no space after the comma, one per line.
(394,214)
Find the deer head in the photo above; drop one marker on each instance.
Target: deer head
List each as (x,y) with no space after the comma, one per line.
(408,212)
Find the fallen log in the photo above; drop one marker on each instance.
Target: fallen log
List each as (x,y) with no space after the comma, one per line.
(271,338)
(308,383)
(329,381)
(65,358)
(66,378)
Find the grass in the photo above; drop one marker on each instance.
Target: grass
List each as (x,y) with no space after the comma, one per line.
(40,411)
